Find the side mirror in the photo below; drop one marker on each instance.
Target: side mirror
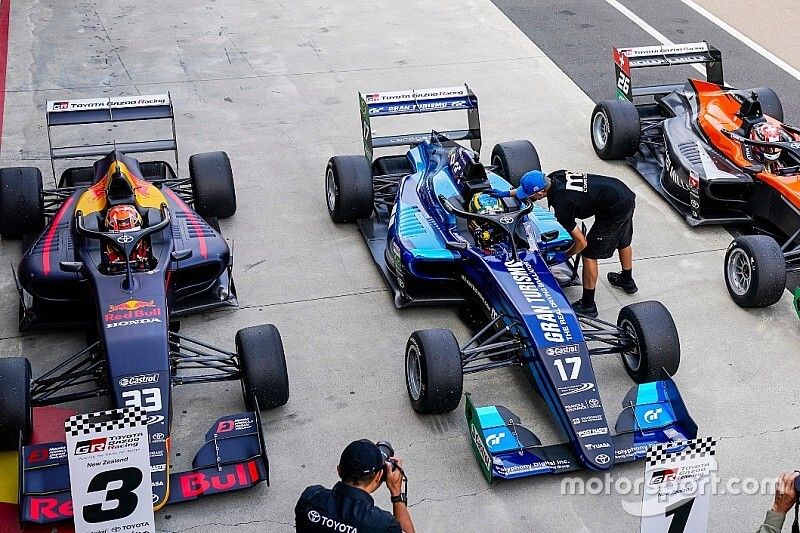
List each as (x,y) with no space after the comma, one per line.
(180,255)
(551,235)
(71,266)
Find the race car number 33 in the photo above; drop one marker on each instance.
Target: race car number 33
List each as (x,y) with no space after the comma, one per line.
(109,469)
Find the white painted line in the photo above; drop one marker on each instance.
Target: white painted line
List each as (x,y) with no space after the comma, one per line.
(654,33)
(746,40)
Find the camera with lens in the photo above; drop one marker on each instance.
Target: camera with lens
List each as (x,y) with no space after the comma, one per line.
(387,451)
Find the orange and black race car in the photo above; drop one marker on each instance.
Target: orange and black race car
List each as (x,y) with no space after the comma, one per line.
(719,155)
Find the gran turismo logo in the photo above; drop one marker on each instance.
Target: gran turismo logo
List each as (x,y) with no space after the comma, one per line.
(651,415)
(495,438)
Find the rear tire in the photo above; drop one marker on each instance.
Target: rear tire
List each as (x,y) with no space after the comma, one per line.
(770,103)
(348,188)
(755,271)
(263,366)
(21,202)
(212,184)
(657,352)
(16,415)
(513,159)
(434,379)
(615,129)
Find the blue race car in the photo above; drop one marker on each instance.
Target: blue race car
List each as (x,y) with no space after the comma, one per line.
(438,240)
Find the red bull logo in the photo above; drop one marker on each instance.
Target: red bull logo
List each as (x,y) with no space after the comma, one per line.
(131,305)
(132,312)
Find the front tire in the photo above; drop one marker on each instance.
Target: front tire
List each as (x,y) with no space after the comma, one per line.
(16,416)
(348,188)
(513,159)
(615,129)
(656,350)
(212,184)
(434,379)
(21,202)
(263,366)
(755,271)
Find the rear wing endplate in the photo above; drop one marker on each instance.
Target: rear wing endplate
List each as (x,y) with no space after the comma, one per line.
(418,101)
(627,59)
(111,110)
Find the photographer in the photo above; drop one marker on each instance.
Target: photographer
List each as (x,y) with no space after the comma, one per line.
(786,496)
(348,507)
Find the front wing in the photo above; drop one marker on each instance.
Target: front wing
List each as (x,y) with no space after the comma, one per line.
(232,458)
(653,413)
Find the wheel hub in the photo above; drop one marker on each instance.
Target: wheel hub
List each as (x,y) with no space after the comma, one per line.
(600,130)
(413,372)
(740,274)
(632,358)
(331,190)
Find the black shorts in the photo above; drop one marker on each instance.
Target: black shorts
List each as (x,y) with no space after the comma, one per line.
(608,235)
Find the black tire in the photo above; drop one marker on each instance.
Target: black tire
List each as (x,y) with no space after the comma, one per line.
(348,188)
(615,129)
(212,184)
(21,202)
(657,352)
(263,366)
(433,371)
(15,402)
(770,103)
(513,159)
(755,271)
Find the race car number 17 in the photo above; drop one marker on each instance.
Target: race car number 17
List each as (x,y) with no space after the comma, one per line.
(109,469)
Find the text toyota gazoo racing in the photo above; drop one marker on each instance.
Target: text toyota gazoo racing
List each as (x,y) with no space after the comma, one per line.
(718,155)
(120,250)
(414,211)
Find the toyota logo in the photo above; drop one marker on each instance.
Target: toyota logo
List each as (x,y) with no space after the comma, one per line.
(602,459)
(506,220)
(314,517)
(124,239)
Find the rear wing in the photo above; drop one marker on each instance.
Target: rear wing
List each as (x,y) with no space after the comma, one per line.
(418,101)
(110,110)
(627,59)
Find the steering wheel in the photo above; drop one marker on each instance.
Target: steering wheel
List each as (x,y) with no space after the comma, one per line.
(507,222)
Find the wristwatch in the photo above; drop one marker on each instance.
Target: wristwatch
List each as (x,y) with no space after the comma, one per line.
(398,499)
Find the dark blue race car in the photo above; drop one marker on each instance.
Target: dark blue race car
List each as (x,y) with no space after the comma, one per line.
(125,281)
(423,215)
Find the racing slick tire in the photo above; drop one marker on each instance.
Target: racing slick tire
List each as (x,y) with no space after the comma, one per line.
(755,271)
(21,202)
(434,379)
(348,188)
(212,184)
(615,129)
(770,103)
(16,415)
(263,366)
(657,349)
(512,159)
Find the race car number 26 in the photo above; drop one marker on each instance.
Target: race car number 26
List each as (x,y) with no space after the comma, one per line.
(119,500)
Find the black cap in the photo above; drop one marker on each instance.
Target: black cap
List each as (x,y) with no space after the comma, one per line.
(361,457)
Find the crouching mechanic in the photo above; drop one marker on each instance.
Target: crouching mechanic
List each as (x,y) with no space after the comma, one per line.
(579,196)
(348,507)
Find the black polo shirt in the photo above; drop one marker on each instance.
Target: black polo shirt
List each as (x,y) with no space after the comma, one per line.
(579,196)
(343,509)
